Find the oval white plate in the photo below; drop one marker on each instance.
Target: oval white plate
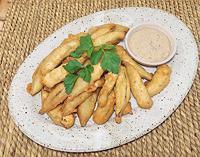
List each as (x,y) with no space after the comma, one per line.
(24,108)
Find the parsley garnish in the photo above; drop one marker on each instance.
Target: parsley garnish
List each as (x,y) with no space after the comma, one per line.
(106,54)
(96,56)
(85,73)
(110,62)
(73,66)
(86,45)
(69,82)
(76,69)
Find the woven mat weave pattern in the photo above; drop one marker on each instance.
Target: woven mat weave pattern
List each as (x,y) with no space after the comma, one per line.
(30,22)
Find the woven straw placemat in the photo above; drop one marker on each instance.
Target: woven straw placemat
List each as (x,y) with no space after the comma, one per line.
(30,22)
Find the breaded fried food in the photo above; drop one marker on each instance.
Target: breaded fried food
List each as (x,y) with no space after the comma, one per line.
(44,95)
(110,80)
(87,86)
(58,74)
(105,34)
(126,58)
(102,114)
(86,109)
(56,115)
(160,80)
(58,119)
(128,87)
(93,29)
(93,86)
(138,88)
(36,85)
(98,31)
(58,94)
(120,28)
(68,121)
(62,51)
(128,109)
(71,104)
(101,30)
(81,85)
(55,97)
(109,38)
(122,92)
(52,61)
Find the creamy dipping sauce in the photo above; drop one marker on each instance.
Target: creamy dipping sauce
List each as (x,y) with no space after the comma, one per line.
(150,44)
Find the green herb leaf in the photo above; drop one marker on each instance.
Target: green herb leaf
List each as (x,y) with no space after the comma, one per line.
(77,53)
(110,62)
(86,42)
(85,73)
(90,68)
(89,51)
(86,45)
(73,66)
(69,82)
(96,56)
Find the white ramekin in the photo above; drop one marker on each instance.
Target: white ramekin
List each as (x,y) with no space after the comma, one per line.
(158,27)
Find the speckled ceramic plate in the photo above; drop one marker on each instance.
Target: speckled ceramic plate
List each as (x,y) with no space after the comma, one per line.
(24,108)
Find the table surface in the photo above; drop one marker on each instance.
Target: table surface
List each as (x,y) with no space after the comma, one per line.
(4,5)
(28,22)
